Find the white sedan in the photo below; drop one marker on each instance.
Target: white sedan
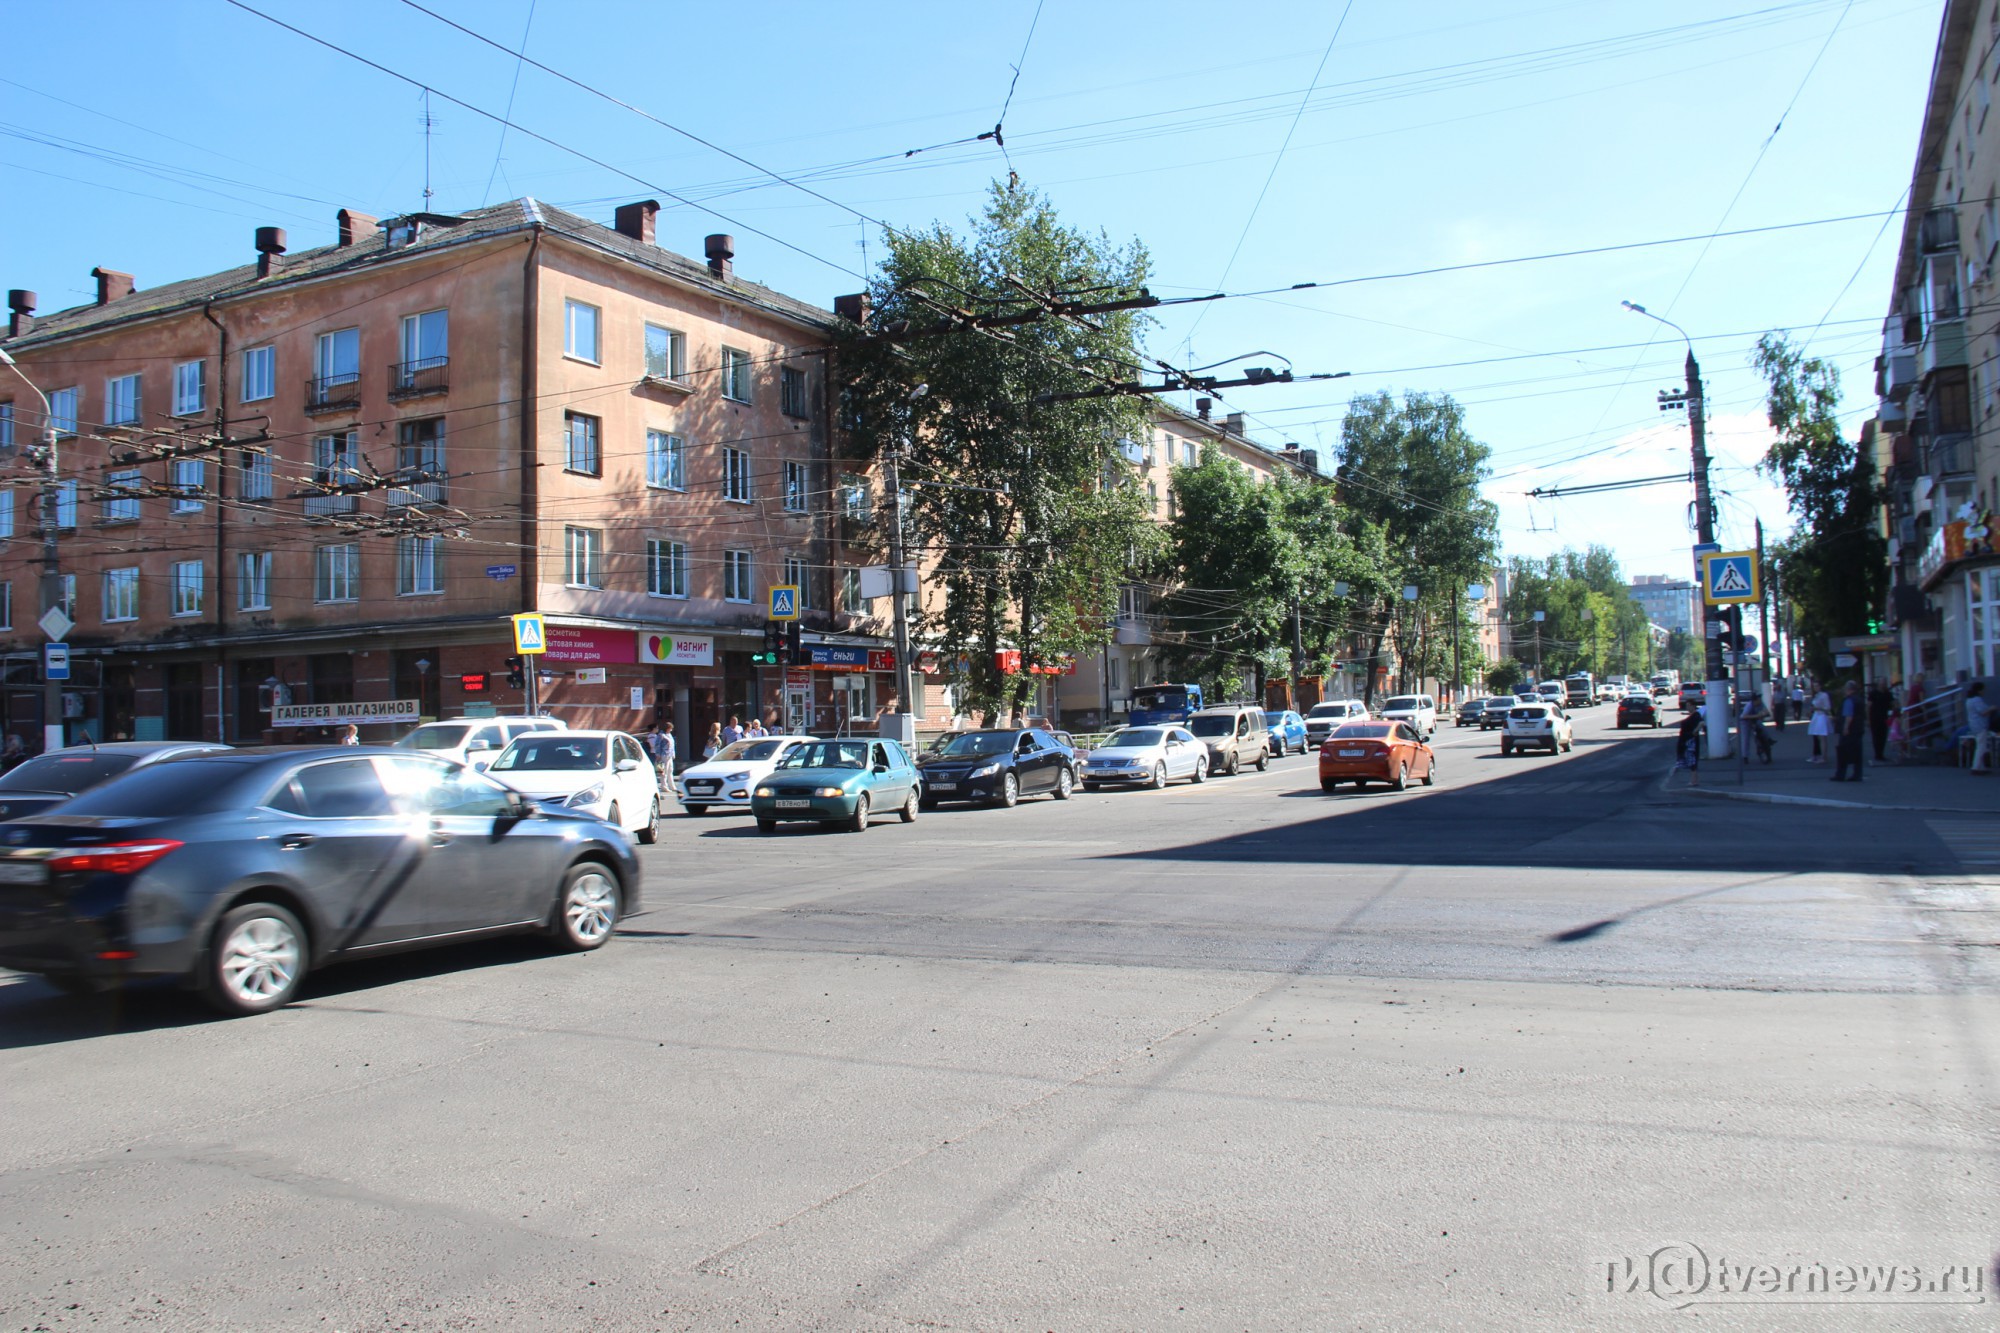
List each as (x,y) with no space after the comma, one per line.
(602,773)
(726,778)
(1153,756)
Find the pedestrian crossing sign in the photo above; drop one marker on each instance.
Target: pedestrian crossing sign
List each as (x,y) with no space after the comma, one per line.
(784,601)
(1729,577)
(530,634)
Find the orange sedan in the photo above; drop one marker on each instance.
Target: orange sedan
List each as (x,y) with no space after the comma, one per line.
(1364,752)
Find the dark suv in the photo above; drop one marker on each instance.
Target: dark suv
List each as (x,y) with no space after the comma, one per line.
(998,766)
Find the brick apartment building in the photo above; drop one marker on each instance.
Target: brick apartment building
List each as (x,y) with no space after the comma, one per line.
(382,448)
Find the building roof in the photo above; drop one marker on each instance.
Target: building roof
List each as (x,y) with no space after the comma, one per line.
(514,216)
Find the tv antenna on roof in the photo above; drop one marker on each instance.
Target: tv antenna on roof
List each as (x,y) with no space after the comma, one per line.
(428,123)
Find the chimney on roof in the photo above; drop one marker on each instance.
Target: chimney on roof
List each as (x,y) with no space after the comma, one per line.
(111,284)
(270,245)
(720,250)
(1291,447)
(21,310)
(854,307)
(1202,406)
(1309,460)
(636,220)
(354,227)
(1233,423)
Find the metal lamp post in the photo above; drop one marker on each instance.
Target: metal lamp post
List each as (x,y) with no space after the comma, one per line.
(901,725)
(52,585)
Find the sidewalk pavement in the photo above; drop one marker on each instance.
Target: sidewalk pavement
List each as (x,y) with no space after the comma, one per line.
(1789,780)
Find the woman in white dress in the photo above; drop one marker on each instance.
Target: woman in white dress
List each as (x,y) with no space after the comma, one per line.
(1822,724)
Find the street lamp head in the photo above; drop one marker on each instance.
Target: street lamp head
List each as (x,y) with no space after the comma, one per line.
(1634,305)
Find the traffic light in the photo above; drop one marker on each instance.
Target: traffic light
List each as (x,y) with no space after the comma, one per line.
(1732,627)
(774,644)
(795,648)
(1874,625)
(517,675)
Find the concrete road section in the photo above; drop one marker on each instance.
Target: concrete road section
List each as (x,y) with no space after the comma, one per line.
(1543,1046)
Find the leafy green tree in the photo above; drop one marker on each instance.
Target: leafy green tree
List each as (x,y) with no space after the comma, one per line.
(1018,498)
(1835,568)
(1590,621)
(1503,676)
(1411,471)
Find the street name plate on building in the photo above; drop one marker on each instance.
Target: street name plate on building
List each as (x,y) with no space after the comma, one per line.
(333,715)
(500,571)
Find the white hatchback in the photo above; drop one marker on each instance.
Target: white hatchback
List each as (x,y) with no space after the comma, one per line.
(726,778)
(474,740)
(602,773)
(1537,726)
(1152,756)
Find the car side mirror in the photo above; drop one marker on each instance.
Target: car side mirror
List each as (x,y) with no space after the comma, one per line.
(626,765)
(881,768)
(518,808)
(474,747)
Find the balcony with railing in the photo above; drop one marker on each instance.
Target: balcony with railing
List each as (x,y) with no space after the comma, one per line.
(1943,347)
(334,393)
(419,379)
(425,487)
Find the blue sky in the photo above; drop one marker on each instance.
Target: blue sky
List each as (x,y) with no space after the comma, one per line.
(1419,136)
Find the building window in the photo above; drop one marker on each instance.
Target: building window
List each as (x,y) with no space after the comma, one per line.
(189,478)
(62,411)
(851,600)
(798,577)
(6,513)
(666,568)
(253,581)
(190,387)
(792,392)
(417,566)
(735,375)
(7,605)
(426,347)
(855,502)
(420,451)
(121,401)
(337,573)
(735,576)
(66,504)
(666,461)
(6,425)
(795,487)
(666,353)
(69,595)
(124,508)
(337,363)
(580,452)
(580,331)
(736,475)
(1188,454)
(121,594)
(186,587)
(1152,496)
(583,557)
(256,474)
(260,374)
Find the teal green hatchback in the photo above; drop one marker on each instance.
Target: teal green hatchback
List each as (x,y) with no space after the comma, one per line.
(843,782)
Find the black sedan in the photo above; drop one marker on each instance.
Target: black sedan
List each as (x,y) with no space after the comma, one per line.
(999,766)
(240,870)
(1494,715)
(1469,712)
(1638,710)
(48,780)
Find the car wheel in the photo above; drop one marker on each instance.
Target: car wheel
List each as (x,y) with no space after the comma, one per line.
(586,907)
(1506,747)
(1263,760)
(1235,764)
(1159,775)
(694,809)
(1402,781)
(858,821)
(766,825)
(1431,772)
(611,816)
(1010,790)
(1091,787)
(1200,770)
(1621,724)
(651,833)
(1064,783)
(910,808)
(1328,785)
(257,960)
(1568,745)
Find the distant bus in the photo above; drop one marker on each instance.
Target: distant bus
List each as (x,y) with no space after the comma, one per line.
(1156,705)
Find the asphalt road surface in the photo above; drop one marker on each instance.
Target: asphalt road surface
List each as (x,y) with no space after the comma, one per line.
(1540,1046)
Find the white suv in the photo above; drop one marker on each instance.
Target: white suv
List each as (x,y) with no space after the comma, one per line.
(477,741)
(1536,727)
(1419,710)
(1321,719)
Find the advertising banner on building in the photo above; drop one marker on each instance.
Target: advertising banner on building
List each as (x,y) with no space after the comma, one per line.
(576,643)
(677,649)
(334,715)
(832,657)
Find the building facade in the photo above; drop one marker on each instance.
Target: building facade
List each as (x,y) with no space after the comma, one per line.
(1670,603)
(331,477)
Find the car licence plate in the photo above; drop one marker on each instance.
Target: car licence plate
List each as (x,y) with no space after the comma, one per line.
(1352,754)
(703,787)
(795,805)
(23,872)
(942,786)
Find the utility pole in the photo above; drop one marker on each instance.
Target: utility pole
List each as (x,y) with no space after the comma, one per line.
(901,726)
(52,583)
(1457,664)
(1763,607)
(1298,646)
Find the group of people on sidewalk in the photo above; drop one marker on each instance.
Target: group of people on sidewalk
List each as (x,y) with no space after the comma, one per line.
(1847,722)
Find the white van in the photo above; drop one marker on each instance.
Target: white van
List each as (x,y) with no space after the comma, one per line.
(1321,719)
(477,741)
(1419,710)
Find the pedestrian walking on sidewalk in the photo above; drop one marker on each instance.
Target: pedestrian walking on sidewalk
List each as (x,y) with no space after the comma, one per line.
(1881,707)
(1821,727)
(1687,749)
(1851,729)
(1979,722)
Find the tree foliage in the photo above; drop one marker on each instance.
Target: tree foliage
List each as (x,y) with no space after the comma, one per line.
(1590,620)
(1834,569)
(1029,522)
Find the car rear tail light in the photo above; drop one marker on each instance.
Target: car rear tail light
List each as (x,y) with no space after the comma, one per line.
(117,858)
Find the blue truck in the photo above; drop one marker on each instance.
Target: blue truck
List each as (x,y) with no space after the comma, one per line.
(1156,705)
